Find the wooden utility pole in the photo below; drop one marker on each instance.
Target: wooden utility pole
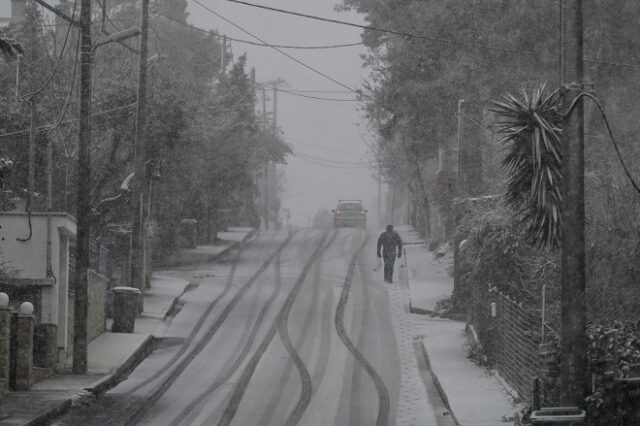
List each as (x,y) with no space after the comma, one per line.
(459,186)
(266,161)
(573,339)
(83,213)
(138,260)
(223,55)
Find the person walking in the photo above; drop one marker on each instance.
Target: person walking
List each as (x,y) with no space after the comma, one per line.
(391,244)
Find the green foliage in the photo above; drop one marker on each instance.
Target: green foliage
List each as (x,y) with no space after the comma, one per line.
(9,48)
(495,251)
(530,126)
(203,141)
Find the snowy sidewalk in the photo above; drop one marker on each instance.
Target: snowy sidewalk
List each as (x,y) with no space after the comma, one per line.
(428,277)
(474,394)
(110,356)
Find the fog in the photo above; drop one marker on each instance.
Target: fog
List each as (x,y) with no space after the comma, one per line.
(334,132)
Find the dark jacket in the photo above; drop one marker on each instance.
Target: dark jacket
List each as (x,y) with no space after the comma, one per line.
(389,241)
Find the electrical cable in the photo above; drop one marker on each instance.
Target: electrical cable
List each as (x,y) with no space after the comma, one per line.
(339,151)
(57,64)
(253,43)
(478,125)
(313,187)
(64,110)
(331,166)
(318,91)
(609,130)
(361,163)
(302,95)
(382,30)
(277,49)
(420,36)
(45,128)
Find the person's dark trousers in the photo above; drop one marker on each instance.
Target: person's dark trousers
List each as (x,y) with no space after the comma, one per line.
(388,268)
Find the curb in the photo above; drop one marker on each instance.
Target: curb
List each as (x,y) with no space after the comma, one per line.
(213,257)
(124,369)
(438,385)
(45,419)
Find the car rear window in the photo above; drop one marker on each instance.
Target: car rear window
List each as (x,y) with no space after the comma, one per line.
(350,206)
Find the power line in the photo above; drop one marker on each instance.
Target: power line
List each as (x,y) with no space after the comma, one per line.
(612,138)
(47,127)
(276,48)
(281,46)
(316,97)
(57,64)
(422,37)
(339,151)
(318,91)
(352,163)
(382,30)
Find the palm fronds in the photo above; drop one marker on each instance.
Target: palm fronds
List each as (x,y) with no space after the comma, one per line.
(531,138)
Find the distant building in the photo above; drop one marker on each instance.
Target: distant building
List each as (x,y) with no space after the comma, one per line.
(11,12)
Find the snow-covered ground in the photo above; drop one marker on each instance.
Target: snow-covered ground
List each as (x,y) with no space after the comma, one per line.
(475,395)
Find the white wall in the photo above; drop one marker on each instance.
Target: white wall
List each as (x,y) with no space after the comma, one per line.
(29,258)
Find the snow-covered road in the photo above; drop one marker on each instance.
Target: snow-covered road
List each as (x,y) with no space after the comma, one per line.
(296,330)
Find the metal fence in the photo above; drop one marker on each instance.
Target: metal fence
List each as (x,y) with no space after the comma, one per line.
(510,334)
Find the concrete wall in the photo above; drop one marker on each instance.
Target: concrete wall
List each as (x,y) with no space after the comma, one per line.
(29,260)
(97,303)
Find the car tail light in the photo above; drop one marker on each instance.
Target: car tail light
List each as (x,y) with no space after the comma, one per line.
(337,212)
(362,212)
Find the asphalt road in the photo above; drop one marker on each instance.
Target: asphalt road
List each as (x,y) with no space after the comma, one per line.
(293,329)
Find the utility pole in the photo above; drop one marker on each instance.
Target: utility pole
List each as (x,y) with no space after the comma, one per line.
(572,277)
(275,108)
(138,260)
(380,222)
(83,213)
(223,55)
(266,161)
(459,185)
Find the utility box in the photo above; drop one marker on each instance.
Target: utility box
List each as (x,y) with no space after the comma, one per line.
(125,308)
(551,416)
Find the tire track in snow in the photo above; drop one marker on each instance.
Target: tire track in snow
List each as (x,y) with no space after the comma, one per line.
(173,376)
(238,394)
(186,415)
(199,324)
(383,393)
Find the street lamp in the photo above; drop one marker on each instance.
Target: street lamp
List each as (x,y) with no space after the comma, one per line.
(119,36)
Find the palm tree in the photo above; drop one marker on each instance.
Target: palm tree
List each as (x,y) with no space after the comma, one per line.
(530,126)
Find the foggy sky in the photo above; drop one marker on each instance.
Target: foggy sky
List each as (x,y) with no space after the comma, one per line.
(334,126)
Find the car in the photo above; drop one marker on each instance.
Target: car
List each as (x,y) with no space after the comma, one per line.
(349,213)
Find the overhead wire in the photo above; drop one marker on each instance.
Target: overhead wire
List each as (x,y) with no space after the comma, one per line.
(609,130)
(49,79)
(339,151)
(281,46)
(420,36)
(46,127)
(302,95)
(361,163)
(382,30)
(309,67)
